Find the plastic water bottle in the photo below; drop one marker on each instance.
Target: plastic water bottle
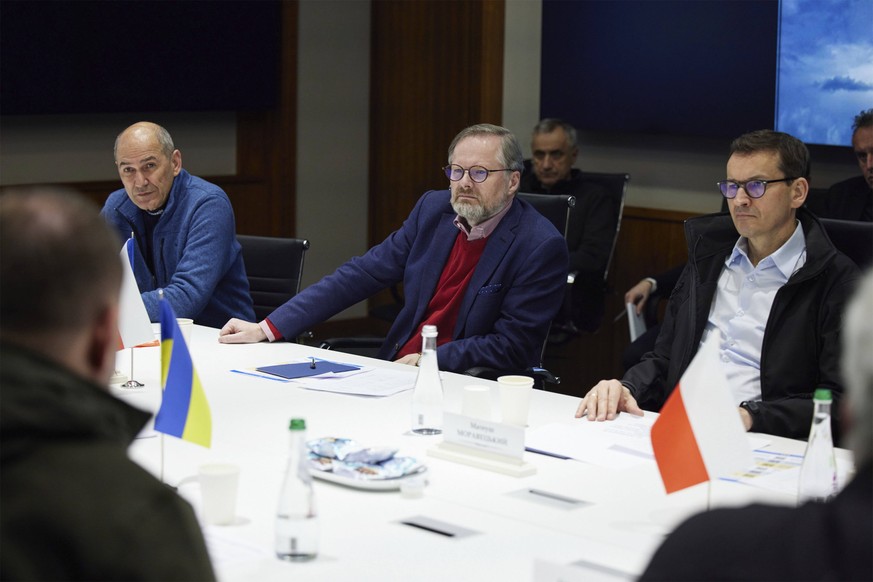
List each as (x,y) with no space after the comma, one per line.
(427,398)
(818,473)
(296,518)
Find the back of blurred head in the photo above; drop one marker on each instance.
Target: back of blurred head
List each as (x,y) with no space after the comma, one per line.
(60,276)
(857,366)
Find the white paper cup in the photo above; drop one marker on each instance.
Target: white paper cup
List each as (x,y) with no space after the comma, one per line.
(515,394)
(186,325)
(477,401)
(218,485)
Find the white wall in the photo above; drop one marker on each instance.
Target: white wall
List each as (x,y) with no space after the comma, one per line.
(333,134)
(78,148)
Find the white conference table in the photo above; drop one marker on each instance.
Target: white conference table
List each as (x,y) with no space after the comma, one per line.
(626,516)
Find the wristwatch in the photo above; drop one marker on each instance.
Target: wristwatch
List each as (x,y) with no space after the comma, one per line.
(753,407)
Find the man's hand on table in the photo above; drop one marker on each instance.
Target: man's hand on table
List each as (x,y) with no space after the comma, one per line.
(237,331)
(606,400)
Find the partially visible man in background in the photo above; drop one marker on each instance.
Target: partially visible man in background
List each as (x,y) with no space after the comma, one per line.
(184,230)
(592,222)
(74,507)
(852,199)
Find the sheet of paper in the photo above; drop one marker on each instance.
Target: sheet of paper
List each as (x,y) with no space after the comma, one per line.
(225,549)
(636,322)
(619,443)
(365,382)
(777,471)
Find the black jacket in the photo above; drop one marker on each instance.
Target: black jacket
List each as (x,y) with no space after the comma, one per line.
(817,541)
(592,222)
(589,240)
(801,344)
(74,507)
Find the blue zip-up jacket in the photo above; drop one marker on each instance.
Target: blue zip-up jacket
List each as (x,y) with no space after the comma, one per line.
(198,261)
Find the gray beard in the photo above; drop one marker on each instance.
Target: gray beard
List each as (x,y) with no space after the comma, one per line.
(476,214)
(472,213)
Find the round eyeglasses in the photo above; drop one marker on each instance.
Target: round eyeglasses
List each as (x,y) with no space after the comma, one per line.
(754,188)
(454,172)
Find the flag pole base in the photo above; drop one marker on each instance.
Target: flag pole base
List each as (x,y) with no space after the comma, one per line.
(132,384)
(118,378)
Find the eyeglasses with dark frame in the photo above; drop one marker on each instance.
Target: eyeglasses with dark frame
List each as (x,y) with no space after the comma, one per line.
(478,174)
(754,188)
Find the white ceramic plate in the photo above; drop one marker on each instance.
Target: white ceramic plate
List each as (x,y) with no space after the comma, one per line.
(368,484)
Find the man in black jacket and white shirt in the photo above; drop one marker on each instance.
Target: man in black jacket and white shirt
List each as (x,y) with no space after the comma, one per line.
(774,297)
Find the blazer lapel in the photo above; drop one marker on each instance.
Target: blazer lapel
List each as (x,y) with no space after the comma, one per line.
(495,252)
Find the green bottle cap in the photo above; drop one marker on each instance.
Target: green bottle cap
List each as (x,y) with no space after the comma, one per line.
(822,394)
(297,424)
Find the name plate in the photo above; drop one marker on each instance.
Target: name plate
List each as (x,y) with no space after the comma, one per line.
(500,439)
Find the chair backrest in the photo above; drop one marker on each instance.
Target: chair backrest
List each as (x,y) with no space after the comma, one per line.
(274,267)
(555,207)
(854,239)
(616,186)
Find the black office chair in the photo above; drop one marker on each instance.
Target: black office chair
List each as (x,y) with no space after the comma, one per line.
(556,208)
(584,301)
(853,239)
(274,267)
(616,186)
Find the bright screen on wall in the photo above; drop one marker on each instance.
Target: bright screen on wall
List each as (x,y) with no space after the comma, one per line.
(87,56)
(825,68)
(708,68)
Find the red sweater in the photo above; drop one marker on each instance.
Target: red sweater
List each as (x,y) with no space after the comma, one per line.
(442,311)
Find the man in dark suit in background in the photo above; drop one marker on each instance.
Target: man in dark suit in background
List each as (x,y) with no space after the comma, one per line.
(852,199)
(816,541)
(483,266)
(592,222)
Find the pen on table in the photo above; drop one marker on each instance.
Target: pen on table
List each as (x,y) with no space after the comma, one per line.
(243,372)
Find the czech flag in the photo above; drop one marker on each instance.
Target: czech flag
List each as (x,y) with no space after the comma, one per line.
(184,411)
(134,326)
(699,435)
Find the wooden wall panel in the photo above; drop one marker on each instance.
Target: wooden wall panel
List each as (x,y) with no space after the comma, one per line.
(437,67)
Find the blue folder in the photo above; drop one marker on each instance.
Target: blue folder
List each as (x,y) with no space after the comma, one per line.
(306,369)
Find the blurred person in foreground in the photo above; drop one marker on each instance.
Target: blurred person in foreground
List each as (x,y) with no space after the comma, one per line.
(816,541)
(74,507)
(476,261)
(767,282)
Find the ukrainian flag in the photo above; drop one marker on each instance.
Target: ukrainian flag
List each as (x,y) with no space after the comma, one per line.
(184,411)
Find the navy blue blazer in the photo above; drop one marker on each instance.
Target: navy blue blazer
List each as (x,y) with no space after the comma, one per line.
(514,294)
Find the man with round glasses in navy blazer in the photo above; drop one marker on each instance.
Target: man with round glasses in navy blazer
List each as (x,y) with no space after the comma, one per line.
(484,267)
(767,282)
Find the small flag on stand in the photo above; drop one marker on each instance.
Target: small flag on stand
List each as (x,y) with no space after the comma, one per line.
(184,411)
(134,326)
(699,435)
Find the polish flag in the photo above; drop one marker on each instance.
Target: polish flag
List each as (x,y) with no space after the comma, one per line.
(699,435)
(134,326)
